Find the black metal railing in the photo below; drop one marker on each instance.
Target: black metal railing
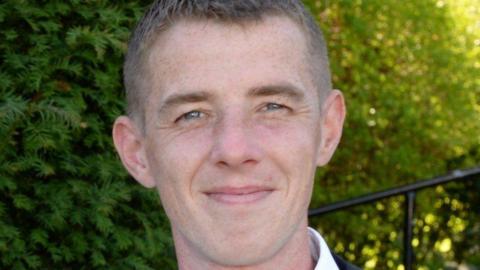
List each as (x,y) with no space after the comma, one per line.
(409,191)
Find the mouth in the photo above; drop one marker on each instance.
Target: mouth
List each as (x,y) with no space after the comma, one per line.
(239,195)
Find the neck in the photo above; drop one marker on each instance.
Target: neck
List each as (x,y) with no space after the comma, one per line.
(295,254)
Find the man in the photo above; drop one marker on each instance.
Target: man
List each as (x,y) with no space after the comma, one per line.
(230,111)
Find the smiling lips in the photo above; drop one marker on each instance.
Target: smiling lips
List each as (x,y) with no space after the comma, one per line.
(239,195)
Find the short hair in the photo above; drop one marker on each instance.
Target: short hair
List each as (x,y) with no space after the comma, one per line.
(163,14)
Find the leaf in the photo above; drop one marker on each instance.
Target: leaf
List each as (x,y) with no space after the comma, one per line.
(39,236)
(23,202)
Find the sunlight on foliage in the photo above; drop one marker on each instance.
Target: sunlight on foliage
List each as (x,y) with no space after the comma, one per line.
(409,72)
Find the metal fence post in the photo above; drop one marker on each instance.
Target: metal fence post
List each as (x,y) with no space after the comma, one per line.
(408,230)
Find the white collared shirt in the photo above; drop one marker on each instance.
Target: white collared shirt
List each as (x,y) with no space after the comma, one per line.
(320,252)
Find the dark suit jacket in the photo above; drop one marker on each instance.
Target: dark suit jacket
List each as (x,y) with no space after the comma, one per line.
(342,264)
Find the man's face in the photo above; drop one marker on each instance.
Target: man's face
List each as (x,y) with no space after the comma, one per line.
(232,136)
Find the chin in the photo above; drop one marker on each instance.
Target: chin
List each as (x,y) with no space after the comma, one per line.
(249,255)
(244,248)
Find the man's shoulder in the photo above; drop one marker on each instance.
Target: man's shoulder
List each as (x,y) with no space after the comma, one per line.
(342,264)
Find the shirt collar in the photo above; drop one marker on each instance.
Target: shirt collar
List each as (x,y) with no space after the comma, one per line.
(320,252)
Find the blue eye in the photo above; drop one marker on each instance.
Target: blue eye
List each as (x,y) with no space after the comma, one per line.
(273,107)
(189,116)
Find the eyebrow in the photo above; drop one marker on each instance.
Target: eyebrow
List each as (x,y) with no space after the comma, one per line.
(286,90)
(178,99)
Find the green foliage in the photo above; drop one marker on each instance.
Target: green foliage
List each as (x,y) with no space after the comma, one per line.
(410,75)
(66,202)
(409,72)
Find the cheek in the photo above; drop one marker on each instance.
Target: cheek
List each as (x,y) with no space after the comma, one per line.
(291,150)
(175,163)
(292,142)
(174,166)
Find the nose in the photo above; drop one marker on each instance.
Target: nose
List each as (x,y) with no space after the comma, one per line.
(235,143)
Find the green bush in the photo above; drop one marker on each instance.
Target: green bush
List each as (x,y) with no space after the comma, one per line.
(66,202)
(410,75)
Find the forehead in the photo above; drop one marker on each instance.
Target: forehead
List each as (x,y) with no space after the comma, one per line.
(185,31)
(208,54)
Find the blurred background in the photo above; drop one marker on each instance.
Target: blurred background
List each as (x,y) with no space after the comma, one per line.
(410,71)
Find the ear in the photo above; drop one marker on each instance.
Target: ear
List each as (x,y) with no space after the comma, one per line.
(331,126)
(130,145)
